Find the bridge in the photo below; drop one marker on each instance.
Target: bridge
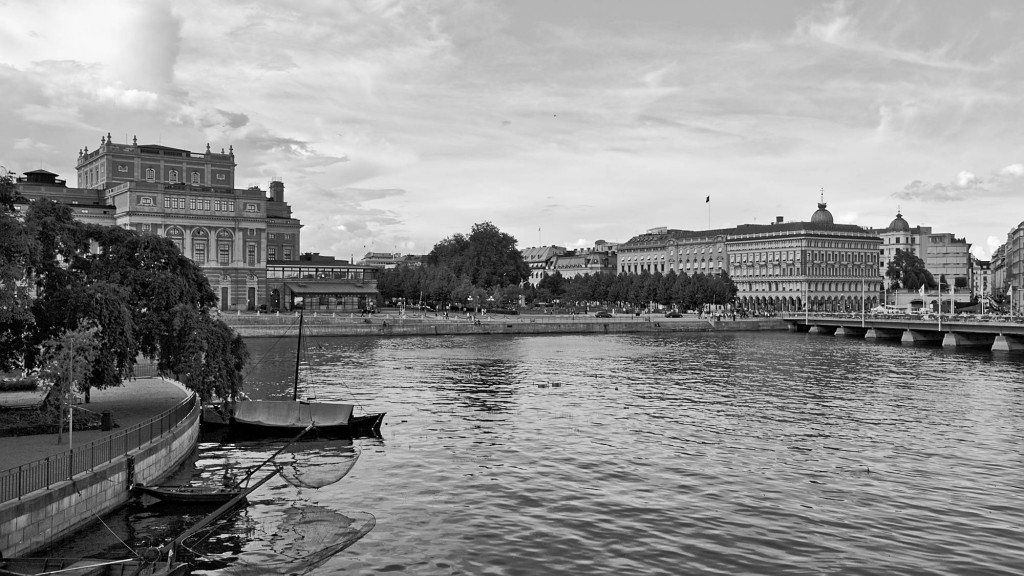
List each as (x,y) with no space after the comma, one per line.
(952,332)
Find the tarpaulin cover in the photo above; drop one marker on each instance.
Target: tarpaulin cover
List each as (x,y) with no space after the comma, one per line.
(290,414)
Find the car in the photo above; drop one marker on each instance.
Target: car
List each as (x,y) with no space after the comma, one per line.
(673,314)
(603,314)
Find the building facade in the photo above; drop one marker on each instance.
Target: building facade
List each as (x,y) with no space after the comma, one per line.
(943,254)
(539,260)
(321,284)
(190,198)
(776,267)
(815,266)
(684,251)
(600,259)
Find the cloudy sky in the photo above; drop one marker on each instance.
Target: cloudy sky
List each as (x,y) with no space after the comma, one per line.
(396,124)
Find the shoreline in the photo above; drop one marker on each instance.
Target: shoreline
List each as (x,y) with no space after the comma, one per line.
(419,324)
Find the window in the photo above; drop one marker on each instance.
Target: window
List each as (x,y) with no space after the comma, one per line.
(220,176)
(173,176)
(231,206)
(271,236)
(206,204)
(145,200)
(195,178)
(252,232)
(216,205)
(250,254)
(287,253)
(147,227)
(224,253)
(199,252)
(150,174)
(122,168)
(191,203)
(167,202)
(251,208)
(271,253)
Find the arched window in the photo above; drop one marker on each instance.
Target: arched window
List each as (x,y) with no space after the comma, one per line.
(195,178)
(173,176)
(150,174)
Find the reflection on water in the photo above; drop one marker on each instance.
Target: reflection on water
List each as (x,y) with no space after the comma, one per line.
(759,453)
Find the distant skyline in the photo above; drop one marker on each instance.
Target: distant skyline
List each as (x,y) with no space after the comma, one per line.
(396,124)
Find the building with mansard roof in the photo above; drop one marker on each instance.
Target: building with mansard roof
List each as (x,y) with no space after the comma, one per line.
(777,267)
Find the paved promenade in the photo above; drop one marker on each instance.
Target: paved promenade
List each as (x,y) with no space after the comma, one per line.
(134,402)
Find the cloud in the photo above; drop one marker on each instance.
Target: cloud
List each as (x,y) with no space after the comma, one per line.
(966,186)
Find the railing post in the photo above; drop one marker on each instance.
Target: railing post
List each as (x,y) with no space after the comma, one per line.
(20,489)
(47,471)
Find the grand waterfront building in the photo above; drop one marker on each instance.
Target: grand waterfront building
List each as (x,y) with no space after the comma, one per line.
(233,234)
(778,267)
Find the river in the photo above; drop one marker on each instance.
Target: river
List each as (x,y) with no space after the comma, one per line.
(689,453)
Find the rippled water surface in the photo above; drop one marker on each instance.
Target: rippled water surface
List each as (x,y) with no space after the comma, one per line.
(746,453)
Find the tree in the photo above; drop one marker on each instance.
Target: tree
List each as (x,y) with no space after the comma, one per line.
(17,250)
(907,271)
(488,257)
(66,362)
(141,293)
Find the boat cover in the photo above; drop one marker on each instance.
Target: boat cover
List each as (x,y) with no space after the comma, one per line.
(291,414)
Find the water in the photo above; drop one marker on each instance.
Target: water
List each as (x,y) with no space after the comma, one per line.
(746,453)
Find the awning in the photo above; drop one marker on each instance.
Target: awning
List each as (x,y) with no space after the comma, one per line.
(329,288)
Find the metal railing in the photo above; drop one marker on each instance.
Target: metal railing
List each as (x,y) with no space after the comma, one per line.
(17,482)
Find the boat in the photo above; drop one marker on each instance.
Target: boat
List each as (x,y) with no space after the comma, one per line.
(285,417)
(323,533)
(190,494)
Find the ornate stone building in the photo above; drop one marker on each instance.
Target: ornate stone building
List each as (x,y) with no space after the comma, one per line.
(781,267)
(776,267)
(189,197)
(685,251)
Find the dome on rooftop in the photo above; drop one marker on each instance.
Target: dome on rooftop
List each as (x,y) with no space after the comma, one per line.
(899,224)
(821,216)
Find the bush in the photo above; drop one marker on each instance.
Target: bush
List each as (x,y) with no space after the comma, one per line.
(19,384)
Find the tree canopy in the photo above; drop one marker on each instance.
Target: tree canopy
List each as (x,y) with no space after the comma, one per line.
(907,271)
(143,296)
(488,257)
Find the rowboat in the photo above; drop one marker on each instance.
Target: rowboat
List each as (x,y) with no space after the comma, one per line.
(190,494)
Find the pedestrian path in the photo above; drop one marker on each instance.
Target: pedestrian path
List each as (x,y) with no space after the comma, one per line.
(133,403)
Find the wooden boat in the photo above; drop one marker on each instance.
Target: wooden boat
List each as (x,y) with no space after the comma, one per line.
(284,417)
(191,494)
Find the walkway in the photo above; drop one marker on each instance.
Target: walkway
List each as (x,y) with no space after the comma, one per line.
(134,402)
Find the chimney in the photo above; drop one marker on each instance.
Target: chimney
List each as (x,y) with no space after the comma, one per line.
(778,219)
(277,191)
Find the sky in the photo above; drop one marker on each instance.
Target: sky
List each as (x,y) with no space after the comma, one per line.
(394,124)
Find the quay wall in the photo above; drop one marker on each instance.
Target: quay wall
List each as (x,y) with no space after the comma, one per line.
(45,516)
(271,325)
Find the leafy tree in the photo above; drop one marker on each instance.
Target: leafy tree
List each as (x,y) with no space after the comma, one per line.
(907,271)
(66,363)
(141,293)
(488,257)
(17,250)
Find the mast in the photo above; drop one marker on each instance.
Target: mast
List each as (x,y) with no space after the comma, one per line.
(298,356)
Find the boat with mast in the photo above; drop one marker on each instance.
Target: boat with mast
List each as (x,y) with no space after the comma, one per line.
(284,417)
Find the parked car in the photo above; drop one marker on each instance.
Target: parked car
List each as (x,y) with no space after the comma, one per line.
(603,314)
(673,314)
